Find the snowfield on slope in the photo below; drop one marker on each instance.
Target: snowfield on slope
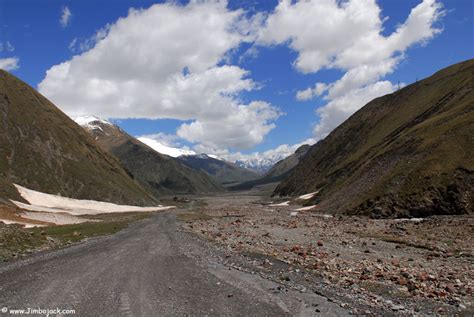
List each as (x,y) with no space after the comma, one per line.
(164,149)
(53,203)
(308,196)
(55,218)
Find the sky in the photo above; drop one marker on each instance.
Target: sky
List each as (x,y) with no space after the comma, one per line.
(238,79)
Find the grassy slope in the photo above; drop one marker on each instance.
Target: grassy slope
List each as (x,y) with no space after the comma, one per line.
(42,149)
(407,153)
(158,173)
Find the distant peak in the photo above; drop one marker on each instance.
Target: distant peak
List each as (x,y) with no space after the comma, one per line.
(90,120)
(203,156)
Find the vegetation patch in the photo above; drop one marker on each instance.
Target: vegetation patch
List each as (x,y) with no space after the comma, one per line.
(16,241)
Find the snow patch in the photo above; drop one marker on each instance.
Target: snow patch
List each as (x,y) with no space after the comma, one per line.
(286,203)
(308,196)
(306,208)
(91,122)
(53,203)
(164,149)
(56,218)
(322,215)
(409,219)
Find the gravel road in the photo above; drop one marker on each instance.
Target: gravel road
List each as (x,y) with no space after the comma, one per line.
(152,268)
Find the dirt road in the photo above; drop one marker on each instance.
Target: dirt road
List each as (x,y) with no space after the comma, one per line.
(152,268)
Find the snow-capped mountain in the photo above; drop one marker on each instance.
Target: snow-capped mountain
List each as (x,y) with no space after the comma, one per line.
(255,163)
(164,149)
(262,164)
(91,122)
(151,166)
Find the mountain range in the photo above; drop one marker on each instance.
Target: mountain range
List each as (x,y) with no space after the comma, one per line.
(159,173)
(409,153)
(260,164)
(277,172)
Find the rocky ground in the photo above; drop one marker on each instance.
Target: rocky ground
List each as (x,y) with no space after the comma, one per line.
(391,266)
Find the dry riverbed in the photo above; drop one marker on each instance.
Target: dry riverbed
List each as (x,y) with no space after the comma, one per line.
(402,267)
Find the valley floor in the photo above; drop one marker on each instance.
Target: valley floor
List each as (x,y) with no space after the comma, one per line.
(151,268)
(236,255)
(394,266)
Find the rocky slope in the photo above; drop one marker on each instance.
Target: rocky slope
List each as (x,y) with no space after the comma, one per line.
(278,172)
(410,153)
(158,173)
(42,149)
(222,171)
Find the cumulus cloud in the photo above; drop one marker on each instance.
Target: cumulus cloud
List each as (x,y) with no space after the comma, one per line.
(347,36)
(65,18)
(9,63)
(167,61)
(244,127)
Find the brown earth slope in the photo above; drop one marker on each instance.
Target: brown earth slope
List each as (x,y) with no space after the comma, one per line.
(410,153)
(42,149)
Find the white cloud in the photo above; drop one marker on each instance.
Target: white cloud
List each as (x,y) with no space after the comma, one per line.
(170,140)
(268,157)
(79,45)
(311,92)
(65,18)
(6,46)
(251,53)
(243,127)
(172,61)
(9,63)
(320,29)
(167,62)
(346,35)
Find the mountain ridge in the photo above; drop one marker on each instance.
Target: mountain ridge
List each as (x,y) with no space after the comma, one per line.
(409,153)
(44,150)
(222,171)
(159,173)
